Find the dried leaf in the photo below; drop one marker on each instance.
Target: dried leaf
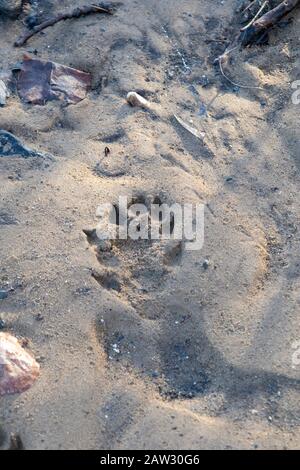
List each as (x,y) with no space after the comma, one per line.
(40,81)
(18,369)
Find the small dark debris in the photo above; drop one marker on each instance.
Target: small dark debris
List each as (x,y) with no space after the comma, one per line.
(155,374)
(16,442)
(83,291)
(7,219)
(110,138)
(202,110)
(229,179)
(3,294)
(39,317)
(204,81)
(206,264)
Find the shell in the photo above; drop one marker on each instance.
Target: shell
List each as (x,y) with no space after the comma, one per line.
(18,369)
(135,99)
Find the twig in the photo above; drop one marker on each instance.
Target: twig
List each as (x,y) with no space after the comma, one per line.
(269,19)
(76,13)
(256,27)
(249,6)
(247,87)
(256,16)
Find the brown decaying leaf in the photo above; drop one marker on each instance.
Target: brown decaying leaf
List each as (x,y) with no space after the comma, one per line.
(41,81)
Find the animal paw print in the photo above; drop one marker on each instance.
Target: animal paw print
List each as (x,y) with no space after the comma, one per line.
(134,269)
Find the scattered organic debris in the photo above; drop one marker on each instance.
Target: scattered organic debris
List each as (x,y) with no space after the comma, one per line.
(222,60)
(18,369)
(190,129)
(12,146)
(40,81)
(259,25)
(135,99)
(76,13)
(4,93)
(256,30)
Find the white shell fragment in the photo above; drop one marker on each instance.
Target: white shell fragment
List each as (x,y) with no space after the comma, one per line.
(18,369)
(4,93)
(135,99)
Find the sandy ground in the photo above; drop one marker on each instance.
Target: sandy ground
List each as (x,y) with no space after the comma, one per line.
(205,355)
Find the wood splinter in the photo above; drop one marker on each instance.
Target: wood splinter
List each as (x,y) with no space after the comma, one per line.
(76,13)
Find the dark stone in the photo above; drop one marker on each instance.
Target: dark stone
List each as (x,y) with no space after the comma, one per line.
(12,146)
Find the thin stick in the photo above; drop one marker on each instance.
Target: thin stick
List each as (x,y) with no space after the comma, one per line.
(220,59)
(249,6)
(269,19)
(256,16)
(80,11)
